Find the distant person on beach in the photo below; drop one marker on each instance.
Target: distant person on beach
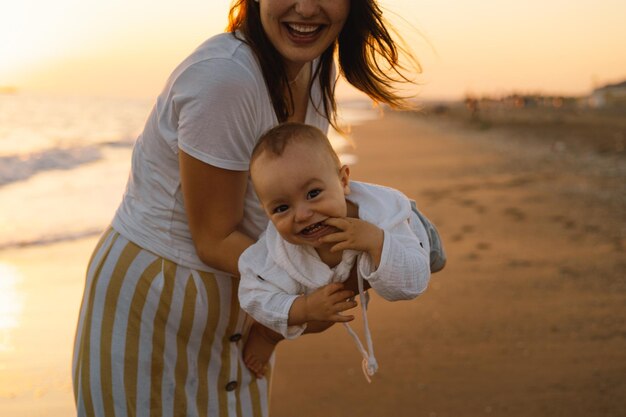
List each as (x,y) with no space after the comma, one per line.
(321,226)
(160,329)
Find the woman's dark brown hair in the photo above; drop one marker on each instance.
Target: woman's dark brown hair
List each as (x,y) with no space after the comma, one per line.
(368,56)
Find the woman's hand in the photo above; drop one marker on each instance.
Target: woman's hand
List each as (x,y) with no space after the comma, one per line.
(214,200)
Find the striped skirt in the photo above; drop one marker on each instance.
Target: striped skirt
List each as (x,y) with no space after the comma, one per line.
(158,339)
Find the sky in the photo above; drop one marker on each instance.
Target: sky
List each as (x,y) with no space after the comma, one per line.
(122,48)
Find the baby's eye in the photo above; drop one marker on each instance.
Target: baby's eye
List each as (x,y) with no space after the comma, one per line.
(280,209)
(313,193)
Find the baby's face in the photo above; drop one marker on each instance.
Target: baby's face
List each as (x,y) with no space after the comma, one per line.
(299,190)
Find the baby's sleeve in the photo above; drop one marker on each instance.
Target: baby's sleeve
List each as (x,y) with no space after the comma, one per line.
(404,270)
(263,293)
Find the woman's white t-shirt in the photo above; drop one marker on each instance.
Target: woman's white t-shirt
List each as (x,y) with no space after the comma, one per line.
(214,107)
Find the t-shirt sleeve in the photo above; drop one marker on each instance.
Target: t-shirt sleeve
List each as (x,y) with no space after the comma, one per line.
(215,101)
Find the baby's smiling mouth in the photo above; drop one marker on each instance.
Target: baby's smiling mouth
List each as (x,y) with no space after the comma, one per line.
(312,229)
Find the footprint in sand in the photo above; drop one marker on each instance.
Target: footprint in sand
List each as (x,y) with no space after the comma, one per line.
(569,272)
(435,195)
(480,209)
(567,223)
(519,263)
(515,213)
(466,228)
(468,202)
(557,218)
(463,188)
(456,237)
(483,246)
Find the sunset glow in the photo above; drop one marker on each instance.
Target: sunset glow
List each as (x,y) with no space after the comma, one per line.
(10,306)
(118,48)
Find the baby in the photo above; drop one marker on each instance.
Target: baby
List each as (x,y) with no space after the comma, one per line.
(321,226)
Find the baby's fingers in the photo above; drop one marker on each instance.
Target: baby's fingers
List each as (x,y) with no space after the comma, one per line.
(338,222)
(334,288)
(342,295)
(342,245)
(334,237)
(340,318)
(345,305)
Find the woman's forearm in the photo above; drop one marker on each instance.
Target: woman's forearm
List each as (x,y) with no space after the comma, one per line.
(214,201)
(223,254)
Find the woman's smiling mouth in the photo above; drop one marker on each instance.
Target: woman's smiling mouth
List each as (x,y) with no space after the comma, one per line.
(303,31)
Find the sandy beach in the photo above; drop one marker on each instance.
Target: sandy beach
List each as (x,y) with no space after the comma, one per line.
(527,319)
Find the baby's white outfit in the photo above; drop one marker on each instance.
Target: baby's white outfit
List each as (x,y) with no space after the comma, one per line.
(275,272)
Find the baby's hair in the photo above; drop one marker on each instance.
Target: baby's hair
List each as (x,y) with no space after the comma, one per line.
(275,141)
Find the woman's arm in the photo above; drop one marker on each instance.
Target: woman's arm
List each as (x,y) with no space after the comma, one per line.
(214,201)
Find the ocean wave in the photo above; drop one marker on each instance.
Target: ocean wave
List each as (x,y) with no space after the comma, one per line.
(50,239)
(23,166)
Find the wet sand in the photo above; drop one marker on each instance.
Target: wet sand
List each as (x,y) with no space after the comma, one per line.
(41,292)
(527,319)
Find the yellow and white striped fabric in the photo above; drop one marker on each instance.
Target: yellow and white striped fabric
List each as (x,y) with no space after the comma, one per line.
(158,339)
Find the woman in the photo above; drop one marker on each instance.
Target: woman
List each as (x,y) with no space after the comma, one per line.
(160,330)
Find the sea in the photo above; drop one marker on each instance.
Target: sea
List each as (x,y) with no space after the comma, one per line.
(64,162)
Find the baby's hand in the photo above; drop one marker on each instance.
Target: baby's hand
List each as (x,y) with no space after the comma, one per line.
(355,234)
(327,302)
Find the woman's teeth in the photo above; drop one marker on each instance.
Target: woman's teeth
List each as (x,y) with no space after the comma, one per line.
(302,29)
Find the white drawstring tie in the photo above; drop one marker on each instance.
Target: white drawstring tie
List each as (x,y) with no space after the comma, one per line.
(369,364)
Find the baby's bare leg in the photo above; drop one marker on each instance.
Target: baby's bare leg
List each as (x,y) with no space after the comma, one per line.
(259,347)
